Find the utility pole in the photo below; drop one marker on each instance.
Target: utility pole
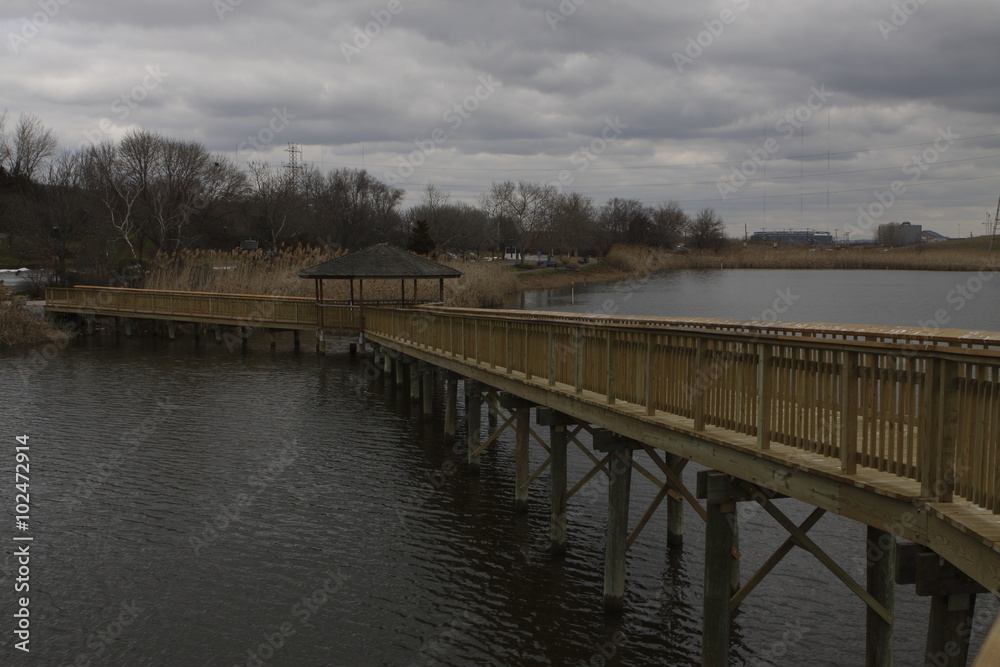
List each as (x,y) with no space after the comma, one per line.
(993,233)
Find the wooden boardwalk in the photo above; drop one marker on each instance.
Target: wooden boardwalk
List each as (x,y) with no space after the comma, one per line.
(897,428)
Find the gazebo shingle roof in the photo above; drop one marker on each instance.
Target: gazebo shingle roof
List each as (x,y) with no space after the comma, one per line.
(380,261)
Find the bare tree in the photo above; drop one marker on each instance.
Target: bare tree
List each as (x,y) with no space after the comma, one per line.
(4,147)
(24,150)
(271,203)
(521,213)
(355,208)
(670,224)
(574,224)
(107,174)
(708,231)
(624,220)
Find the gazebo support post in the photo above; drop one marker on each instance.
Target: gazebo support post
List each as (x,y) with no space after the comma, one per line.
(441,290)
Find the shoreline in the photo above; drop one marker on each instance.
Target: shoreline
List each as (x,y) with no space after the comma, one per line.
(627,263)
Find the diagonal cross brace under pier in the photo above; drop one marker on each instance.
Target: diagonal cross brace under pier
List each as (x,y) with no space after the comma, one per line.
(807,543)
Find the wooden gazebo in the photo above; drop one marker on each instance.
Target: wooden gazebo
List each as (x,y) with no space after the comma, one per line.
(380,262)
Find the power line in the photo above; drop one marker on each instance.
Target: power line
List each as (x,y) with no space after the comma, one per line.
(664,166)
(463,186)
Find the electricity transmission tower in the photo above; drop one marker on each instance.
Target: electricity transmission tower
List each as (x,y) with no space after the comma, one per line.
(294,153)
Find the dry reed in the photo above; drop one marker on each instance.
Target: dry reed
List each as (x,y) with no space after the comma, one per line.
(634,259)
(482,284)
(19,327)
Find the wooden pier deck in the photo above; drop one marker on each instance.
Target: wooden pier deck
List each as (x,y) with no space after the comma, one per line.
(895,427)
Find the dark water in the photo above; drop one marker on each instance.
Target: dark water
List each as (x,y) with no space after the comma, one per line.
(206,506)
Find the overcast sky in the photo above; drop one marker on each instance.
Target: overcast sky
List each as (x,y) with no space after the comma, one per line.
(778,114)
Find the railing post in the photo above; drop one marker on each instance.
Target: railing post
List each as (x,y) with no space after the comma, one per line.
(578,339)
(612,366)
(700,384)
(509,337)
(849,413)
(552,355)
(527,347)
(648,376)
(491,347)
(764,390)
(943,482)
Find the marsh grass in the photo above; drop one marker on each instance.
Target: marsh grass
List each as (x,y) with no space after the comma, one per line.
(928,257)
(275,274)
(19,327)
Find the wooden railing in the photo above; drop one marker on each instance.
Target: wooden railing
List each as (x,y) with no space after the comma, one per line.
(875,333)
(235,309)
(917,403)
(928,410)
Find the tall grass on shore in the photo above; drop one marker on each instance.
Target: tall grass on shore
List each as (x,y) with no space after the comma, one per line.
(19,327)
(272,274)
(275,274)
(635,259)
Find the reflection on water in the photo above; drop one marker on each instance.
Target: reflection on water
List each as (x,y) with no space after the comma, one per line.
(201,506)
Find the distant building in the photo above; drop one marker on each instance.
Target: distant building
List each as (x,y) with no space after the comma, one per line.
(931,236)
(898,233)
(807,237)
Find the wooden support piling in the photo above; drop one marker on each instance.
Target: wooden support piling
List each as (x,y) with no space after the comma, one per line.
(414,373)
(218,334)
(675,506)
(395,369)
(953,603)
(427,391)
(474,403)
(128,327)
(719,549)
(557,422)
(491,404)
(619,469)
(521,460)
(880,561)
(522,414)
(450,405)
(948,630)
(619,488)
(296,343)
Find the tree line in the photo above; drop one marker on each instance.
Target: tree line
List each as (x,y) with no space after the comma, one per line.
(108,208)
